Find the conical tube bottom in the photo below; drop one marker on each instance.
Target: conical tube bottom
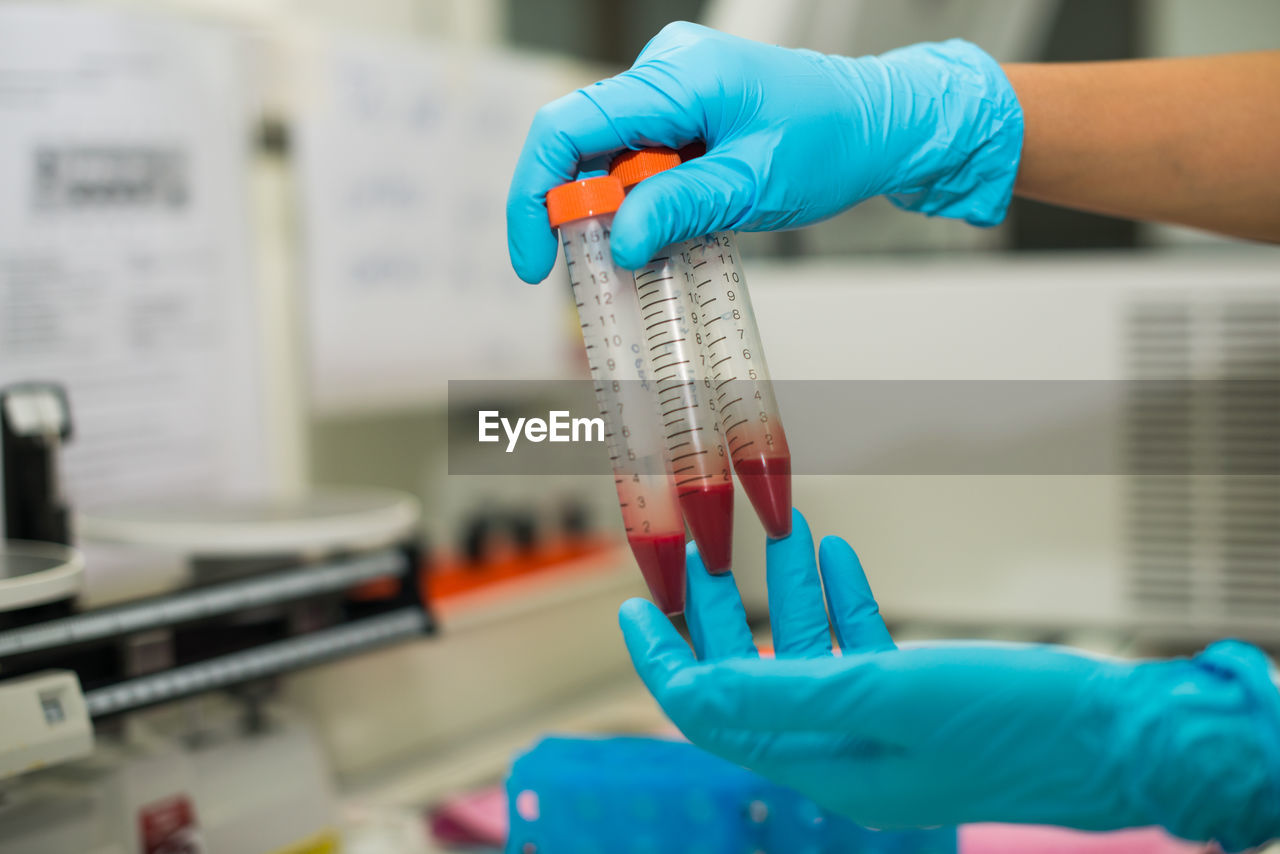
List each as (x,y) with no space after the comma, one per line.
(709,512)
(767,482)
(661,559)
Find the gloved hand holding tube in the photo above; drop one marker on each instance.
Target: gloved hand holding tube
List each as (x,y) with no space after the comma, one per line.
(793,137)
(961,732)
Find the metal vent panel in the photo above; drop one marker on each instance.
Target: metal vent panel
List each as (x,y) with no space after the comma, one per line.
(1202,441)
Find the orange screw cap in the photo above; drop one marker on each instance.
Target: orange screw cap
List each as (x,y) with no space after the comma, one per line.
(581,199)
(632,167)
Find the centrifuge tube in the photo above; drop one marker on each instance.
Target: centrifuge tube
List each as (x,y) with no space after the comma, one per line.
(690,422)
(749,417)
(610,318)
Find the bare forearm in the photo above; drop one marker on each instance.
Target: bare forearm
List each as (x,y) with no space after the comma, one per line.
(1191,141)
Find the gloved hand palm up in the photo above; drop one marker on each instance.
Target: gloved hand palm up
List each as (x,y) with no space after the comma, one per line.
(960,732)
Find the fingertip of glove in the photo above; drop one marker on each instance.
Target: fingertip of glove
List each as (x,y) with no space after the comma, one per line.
(630,254)
(532,244)
(657,650)
(835,546)
(634,610)
(532,263)
(798,520)
(641,228)
(527,276)
(692,557)
(799,533)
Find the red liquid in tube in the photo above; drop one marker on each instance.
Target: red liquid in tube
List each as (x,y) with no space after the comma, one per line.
(661,560)
(767,481)
(709,513)
(673,340)
(750,421)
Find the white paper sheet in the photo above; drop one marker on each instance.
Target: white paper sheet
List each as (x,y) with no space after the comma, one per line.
(123,249)
(404,156)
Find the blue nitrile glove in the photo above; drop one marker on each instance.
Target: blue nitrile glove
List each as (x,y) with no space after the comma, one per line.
(961,732)
(793,137)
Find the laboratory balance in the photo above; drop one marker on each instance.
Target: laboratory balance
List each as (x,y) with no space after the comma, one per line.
(147,723)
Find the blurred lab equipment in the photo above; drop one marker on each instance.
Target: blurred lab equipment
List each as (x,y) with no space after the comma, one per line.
(46,721)
(270,587)
(651,794)
(175,782)
(488,533)
(482,817)
(41,575)
(502,544)
(673,338)
(34,422)
(609,312)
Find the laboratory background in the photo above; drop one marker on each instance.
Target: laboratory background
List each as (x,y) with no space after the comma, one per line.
(253,598)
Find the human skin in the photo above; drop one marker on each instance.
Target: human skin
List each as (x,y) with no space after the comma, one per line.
(1192,141)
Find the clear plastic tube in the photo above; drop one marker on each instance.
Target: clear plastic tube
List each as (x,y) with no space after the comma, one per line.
(689,421)
(610,317)
(734,356)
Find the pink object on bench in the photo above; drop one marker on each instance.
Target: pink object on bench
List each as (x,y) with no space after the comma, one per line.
(480,817)
(1027,839)
(472,818)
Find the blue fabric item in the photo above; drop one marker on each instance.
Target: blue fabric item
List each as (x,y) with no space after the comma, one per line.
(793,137)
(654,796)
(945,734)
